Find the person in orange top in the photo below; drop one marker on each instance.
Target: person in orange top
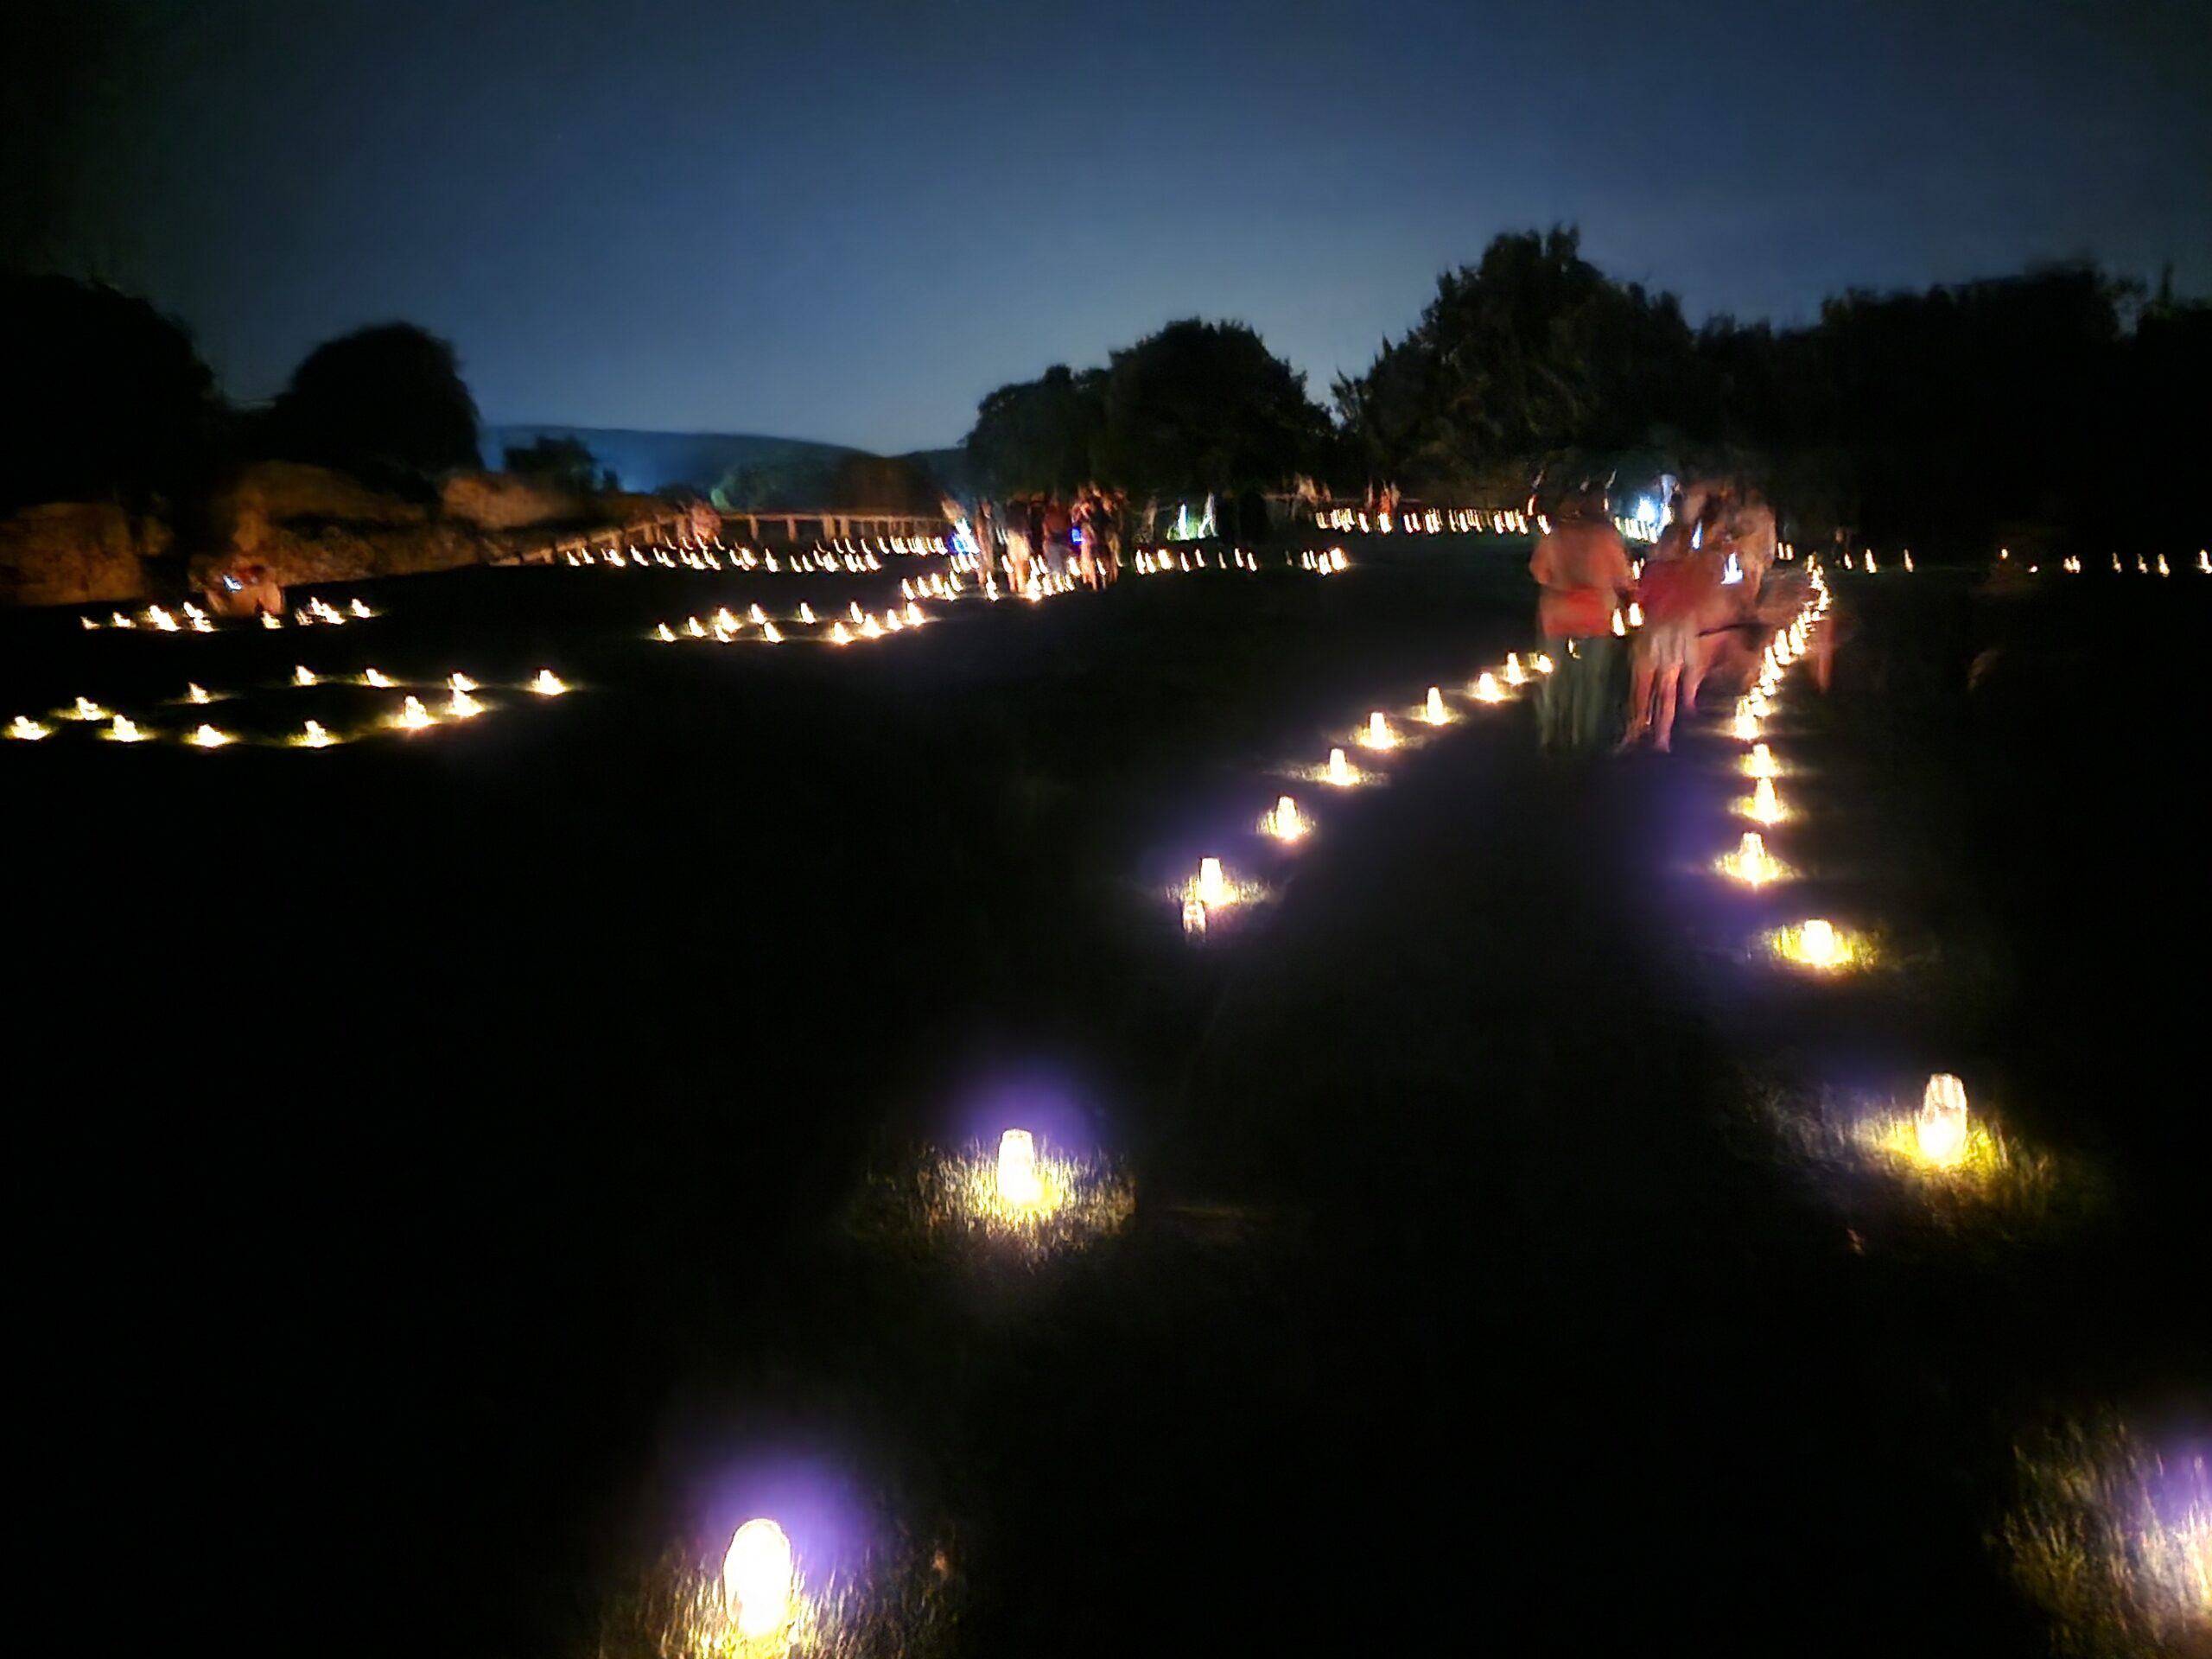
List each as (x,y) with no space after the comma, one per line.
(1581,568)
(1684,568)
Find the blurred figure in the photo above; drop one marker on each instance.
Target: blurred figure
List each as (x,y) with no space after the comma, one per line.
(1019,518)
(1684,568)
(1751,533)
(986,530)
(1088,533)
(1056,524)
(1112,506)
(1582,566)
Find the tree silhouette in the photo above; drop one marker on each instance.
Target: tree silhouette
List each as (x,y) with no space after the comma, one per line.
(1041,435)
(1530,355)
(383,402)
(1204,406)
(101,398)
(565,463)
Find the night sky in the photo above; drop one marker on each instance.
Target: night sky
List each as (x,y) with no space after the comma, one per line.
(850,222)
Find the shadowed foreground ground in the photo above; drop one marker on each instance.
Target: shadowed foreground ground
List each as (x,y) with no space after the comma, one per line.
(470,1198)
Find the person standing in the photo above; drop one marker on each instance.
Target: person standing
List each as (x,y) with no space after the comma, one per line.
(1056,523)
(1683,571)
(1581,567)
(986,534)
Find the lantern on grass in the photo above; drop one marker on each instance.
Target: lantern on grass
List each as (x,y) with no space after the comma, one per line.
(1753,865)
(1817,944)
(1486,688)
(1339,770)
(1194,919)
(1766,806)
(1746,726)
(1285,823)
(1433,711)
(1942,1129)
(757,1580)
(302,675)
(1378,735)
(548,683)
(1760,763)
(26,730)
(1515,674)
(206,737)
(1017,1182)
(124,730)
(314,736)
(412,716)
(1213,888)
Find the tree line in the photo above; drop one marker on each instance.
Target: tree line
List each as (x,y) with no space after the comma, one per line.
(2037,407)
(105,398)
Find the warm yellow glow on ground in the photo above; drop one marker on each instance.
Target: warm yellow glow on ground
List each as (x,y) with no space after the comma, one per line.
(378,678)
(1285,823)
(412,716)
(1759,762)
(548,683)
(1763,805)
(26,730)
(1750,863)
(1515,674)
(1746,726)
(206,737)
(1376,733)
(1819,945)
(1486,688)
(195,693)
(124,730)
(302,675)
(1433,710)
(312,736)
(461,705)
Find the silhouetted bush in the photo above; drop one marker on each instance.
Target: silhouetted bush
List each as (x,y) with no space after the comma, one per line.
(102,398)
(385,403)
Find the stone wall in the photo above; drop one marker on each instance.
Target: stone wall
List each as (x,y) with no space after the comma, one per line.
(75,553)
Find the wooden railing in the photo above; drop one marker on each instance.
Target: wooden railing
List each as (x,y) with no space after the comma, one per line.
(821,524)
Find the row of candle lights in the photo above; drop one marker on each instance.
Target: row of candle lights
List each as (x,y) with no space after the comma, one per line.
(2133,1550)
(459,703)
(189,618)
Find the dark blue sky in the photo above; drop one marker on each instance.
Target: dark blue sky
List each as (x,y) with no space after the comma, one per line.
(850,222)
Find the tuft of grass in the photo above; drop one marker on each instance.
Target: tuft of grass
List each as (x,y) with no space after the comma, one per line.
(2112,1537)
(948,1204)
(889,1606)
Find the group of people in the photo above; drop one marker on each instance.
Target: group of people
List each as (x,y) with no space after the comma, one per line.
(1698,593)
(1040,534)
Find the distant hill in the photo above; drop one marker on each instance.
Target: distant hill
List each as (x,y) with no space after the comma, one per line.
(647,461)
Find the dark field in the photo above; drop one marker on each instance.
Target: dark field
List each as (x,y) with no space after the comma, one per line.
(464,1152)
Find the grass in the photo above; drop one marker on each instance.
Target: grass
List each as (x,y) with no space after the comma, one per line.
(2111,1535)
